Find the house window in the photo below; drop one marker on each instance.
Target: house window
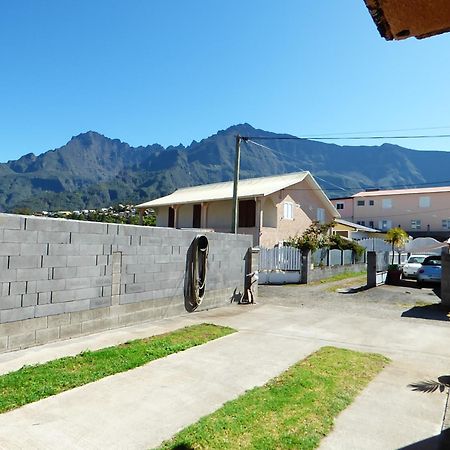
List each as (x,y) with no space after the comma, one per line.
(321,215)
(446,224)
(196,216)
(416,224)
(386,203)
(171,218)
(339,206)
(371,224)
(385,224)
(424,202)
(361,222)
(247,213)
(288,211)
(360,203)
(371,203)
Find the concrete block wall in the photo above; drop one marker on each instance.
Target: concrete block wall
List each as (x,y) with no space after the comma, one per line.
(63,278)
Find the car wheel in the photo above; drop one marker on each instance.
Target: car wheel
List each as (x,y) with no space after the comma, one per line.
(419,284)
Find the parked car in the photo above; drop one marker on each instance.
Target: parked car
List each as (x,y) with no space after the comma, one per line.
(412,266)
(430,272)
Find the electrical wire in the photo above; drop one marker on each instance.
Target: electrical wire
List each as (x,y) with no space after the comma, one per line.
(338,138)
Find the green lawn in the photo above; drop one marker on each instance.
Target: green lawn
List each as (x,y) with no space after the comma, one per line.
(343,276)
(293,411)
(32,383)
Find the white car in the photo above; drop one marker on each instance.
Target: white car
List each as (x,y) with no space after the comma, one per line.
(412,266)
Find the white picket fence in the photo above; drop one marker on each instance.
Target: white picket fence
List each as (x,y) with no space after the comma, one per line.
(282,258)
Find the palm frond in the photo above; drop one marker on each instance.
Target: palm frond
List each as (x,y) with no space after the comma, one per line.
(428,386)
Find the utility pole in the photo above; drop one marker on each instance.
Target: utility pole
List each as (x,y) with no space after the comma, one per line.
(237,163)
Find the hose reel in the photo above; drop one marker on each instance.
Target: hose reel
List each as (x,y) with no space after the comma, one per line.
(197,267)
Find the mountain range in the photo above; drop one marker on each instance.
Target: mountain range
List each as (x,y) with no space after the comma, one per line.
(92,170)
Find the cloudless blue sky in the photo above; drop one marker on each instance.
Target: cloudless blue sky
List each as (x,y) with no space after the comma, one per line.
(171,71)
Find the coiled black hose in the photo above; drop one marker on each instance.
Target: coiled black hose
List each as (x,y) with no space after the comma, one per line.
(197,267)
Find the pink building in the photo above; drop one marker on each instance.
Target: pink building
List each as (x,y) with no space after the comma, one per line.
(344,206)
(419,211)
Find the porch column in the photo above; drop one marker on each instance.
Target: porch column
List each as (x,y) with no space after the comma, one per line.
(175,215)
(258,219)
(204,215)
(141,217)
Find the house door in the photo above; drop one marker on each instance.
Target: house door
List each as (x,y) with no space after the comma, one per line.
(171,218)
(197,216)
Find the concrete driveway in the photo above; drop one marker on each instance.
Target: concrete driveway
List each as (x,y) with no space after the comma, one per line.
(140,408)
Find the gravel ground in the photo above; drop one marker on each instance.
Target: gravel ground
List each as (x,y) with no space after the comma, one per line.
(404,301)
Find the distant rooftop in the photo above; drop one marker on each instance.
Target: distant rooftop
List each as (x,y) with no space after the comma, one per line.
(428,190)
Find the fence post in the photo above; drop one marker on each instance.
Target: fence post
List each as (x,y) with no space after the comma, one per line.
(445,277)
(306,266)
(371,269)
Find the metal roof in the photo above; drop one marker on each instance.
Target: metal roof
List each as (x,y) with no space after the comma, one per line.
(428,190)
(357,226)
(250,188)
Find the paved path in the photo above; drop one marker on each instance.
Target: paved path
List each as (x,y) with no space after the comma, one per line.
(140,408)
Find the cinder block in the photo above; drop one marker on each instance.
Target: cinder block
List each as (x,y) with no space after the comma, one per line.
(90,238)
(49,309)
(10,302)
(90,314)
(4,289)
(71,330)
(32,274)
(12,221)
(77,261)
(25,262)
(44,298)
(102,260)
(31,287)
(63,249)
(33,249)
(3,343)
(94,326)
(9,249)
(20,236)
(29,299)
(47,335)
(101,281)
(58,320)
(61,273)
(22,340)
(51,285)
(78,305)
(54,261)
(78,294)
(93,228)
(78,283)
(100,302)
(89,271)
(50,224)
(54,237)
(18,287)
(107,291)
(91,249)
(133,288)
(12,315)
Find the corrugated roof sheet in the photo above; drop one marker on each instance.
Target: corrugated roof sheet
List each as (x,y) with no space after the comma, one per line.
(253,187)
(357,226)
(429,190)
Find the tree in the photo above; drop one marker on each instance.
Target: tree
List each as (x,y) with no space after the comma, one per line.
(314,237)
(397,237)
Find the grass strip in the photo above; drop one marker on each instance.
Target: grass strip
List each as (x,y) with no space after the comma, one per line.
(292,411)
(32,383)
(343,276)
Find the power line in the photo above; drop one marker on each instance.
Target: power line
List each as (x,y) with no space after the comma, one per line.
(337,138)
(315,176)
(383,131)
(341,188)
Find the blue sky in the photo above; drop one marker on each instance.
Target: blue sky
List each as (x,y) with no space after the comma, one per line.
(171,71)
